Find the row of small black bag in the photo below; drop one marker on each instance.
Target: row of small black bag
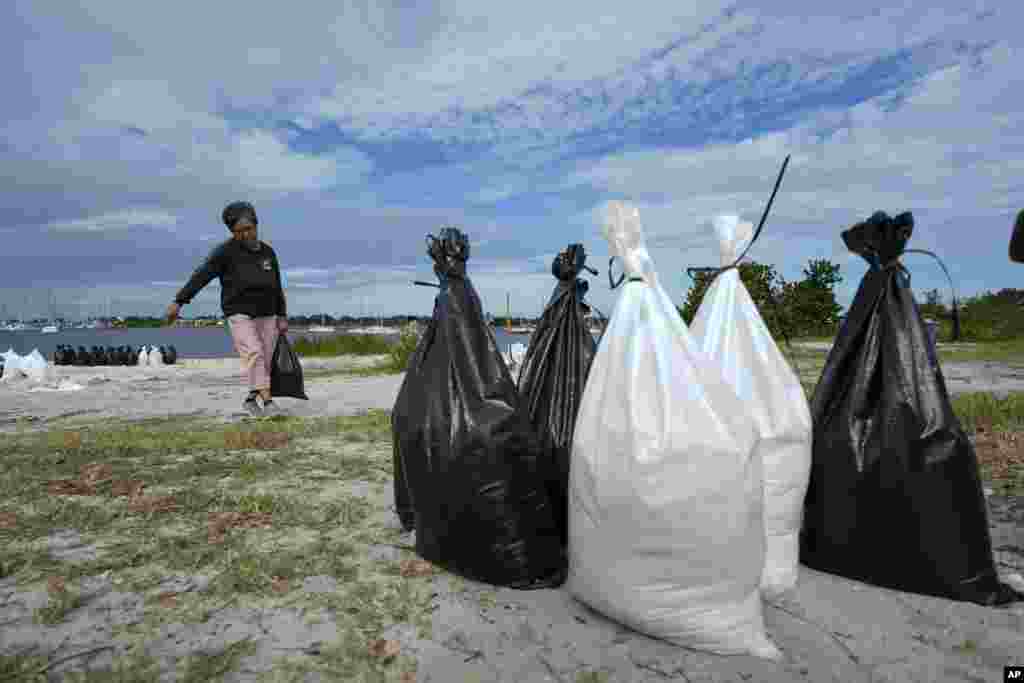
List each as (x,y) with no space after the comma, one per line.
(122,355)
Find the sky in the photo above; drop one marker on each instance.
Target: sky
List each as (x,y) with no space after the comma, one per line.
(358,128)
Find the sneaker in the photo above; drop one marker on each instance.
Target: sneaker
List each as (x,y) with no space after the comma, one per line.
(252,406)
(270,409)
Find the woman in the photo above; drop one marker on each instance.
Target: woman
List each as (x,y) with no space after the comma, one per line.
(251,297)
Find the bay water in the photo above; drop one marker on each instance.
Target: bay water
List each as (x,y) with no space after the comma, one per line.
(190,342)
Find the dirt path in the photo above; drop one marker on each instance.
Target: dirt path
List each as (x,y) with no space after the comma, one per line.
(207,387)
(213,387)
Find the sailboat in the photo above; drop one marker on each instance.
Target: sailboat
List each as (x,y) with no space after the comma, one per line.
(53,327)
(322,327)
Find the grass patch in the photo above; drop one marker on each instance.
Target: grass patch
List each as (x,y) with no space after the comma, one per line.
(982,410)
(1008,351)
(342,345)
(255,509)
(394,354)
(202,668)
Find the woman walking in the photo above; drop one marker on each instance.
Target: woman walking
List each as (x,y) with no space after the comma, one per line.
(251,297)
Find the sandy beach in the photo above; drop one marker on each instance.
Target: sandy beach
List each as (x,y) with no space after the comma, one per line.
(213,387)
(831,629)
(208,387)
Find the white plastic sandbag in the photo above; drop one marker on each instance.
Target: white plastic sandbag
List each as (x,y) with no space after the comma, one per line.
(34,366)
(156,357)
(665,520)
(730,329)
(12,364)
(143,356)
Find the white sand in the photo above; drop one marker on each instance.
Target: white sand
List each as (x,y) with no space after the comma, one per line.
(210,387)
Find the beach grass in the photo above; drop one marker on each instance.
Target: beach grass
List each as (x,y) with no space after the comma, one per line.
(341,345)
(257,509)
(390,357)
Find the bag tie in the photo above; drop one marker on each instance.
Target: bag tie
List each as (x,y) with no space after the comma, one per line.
(955,313)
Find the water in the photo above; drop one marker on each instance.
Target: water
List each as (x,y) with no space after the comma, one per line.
(190,342)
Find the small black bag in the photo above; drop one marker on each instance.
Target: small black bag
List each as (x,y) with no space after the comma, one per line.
(286,372)
(555,370)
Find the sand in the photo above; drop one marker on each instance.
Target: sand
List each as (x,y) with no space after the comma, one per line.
(831,629)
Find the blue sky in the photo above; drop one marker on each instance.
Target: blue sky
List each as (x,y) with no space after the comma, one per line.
(126,127)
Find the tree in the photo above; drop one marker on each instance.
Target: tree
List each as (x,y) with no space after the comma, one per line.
(810,305)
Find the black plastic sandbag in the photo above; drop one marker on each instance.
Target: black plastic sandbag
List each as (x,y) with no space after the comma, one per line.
(895,499)
(286,371)
(555,370)
(469,471)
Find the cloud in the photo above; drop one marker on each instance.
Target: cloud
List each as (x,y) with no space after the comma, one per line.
(300,273)
(358,128)
(127,219)
(846,164)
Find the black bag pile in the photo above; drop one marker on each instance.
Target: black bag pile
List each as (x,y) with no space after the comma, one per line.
(469,469)
(65,354)
(285,371)
(170,354)
(895,499)
(555,370)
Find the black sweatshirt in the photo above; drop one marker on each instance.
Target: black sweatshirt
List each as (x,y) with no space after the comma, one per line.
(250,281)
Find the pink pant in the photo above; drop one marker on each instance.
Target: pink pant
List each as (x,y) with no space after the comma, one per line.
(254,339)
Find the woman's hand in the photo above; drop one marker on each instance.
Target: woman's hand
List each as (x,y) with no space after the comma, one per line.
(172,313)
(282,324)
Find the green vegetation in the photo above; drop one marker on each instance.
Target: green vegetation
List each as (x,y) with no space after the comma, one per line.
(257,509)
(342,345)
(400,353)
(802,309)
(395,354)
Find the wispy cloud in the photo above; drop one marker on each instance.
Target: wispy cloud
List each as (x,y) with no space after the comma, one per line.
(127,219)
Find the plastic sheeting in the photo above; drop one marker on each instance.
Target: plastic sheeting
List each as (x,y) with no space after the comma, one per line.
(469,468)
(666,528)
(730,329)
(895,499)
(554,372)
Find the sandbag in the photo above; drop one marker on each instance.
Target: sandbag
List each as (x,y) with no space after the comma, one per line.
(143,356)
(12,363)
(666,528)
(554,372)
(286,371)
(156,357)
(730,329)
(895,498)
(82,357)
(469,468)
(99,356)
